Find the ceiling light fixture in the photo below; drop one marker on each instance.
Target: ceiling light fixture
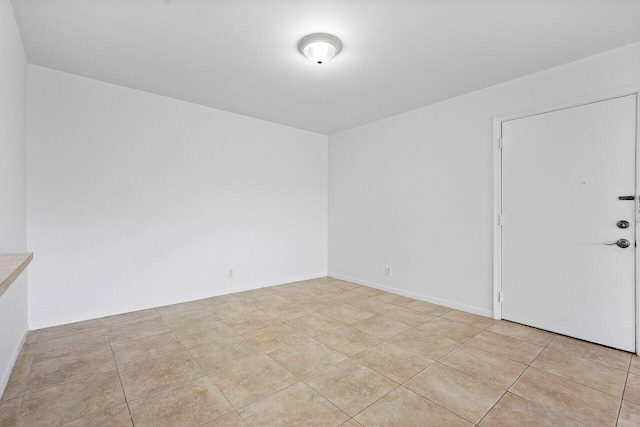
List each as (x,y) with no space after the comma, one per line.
(319,48)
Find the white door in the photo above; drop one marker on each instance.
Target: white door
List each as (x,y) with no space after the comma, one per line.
(562,175)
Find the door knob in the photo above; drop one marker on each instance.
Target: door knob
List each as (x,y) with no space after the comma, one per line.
(623,224)
(621,243)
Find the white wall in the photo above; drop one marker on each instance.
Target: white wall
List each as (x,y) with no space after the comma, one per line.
(13,229)
(414,191)
(137,200)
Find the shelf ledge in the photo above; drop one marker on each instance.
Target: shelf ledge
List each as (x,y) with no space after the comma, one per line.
(11,265)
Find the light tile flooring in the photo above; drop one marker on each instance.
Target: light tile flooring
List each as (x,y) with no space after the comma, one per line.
(318,353)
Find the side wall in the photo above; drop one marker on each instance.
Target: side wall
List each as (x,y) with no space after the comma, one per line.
(137,200)
(414,191)
(13,228)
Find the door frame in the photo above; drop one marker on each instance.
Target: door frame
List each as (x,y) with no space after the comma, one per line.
(497,188)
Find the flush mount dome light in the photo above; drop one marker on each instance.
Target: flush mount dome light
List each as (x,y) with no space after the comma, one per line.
(319,48)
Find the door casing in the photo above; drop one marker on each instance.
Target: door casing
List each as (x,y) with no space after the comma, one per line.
(497,189)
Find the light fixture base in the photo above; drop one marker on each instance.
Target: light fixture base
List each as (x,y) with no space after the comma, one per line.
(305,44)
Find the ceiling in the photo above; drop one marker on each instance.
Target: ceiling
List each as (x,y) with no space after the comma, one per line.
(241,55)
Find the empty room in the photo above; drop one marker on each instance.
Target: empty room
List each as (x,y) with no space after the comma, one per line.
(244,213)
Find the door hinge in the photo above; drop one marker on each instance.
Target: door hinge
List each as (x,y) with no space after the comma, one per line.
(500,296)
(500,143)
(500,220)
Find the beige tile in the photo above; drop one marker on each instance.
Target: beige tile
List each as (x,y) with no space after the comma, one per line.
(19,376)
(458,392)
(407,316)
(181,320)
(583,371)
(456,331)
(374,305)
(351,423)
(425,343)
(322,289)
(392,361)
(634,368)
(168,310)
(486,366)
(69,329)
(245,381)
(222,299)
(632,389)
(513,410)
(348,340)
(136,351)
(78,344)
(269,301)
(190,404)
(629,415)
(597,353)
(134,316)
(510,348)
(217,355)
(521,332)
(231,309)
(199,334)
(117,416)
(469,318)
(62,404)
(403,407)
(296,405)
(342,297)
(579,402)
(346,313)
(343,284)
(53,372)
(306,358)
(154,375)
(366,291)
(394,298)
(381,327)
(314,324)
(9,412)
(428,308)
(253,293)
(229,420)
(32,337)
(274,337)
(250,321)
(137,330)
(296,294)
(350,386)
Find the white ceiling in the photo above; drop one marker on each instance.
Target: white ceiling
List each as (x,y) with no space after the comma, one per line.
(241,55)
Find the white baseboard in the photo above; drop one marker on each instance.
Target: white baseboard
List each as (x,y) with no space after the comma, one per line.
(45,323)
(414,295)
(4,380)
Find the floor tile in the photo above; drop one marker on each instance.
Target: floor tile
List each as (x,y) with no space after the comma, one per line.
(19,376)
(78,344)
(583,371)
(9,412)
(367,291)
(274,337)
(575,400)
(403,407)
(460,393)
(137,330)
(374,305)
(136,351)
(632,389)
(269,301)
(597,353)
(381,327)
(69,329)
(134,316)
(181,320)
(287,311)
(252,293)
(635,365)
(394,298)
(469,318)
(348,340)
(154,375)
(429,345)
(222,299)
(190,404)
(428,308)
(502,345)
(456,331)
(407,316)
(217,355)
(351,423)
(306,358)
(231,309)
(168,310)
(245,381)
(199,334)
(314,324)
(629,415)
(296,405)
(346,313)
(486,366)
(350,385)
(392,361)
(513,410)
(117,416)
(62,404)
(53,372)
(521,332)
(250,321)
(230,420)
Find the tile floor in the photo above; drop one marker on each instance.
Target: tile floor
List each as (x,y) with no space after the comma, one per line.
(322,352)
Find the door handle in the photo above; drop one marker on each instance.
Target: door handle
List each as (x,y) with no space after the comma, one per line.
(621,243)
